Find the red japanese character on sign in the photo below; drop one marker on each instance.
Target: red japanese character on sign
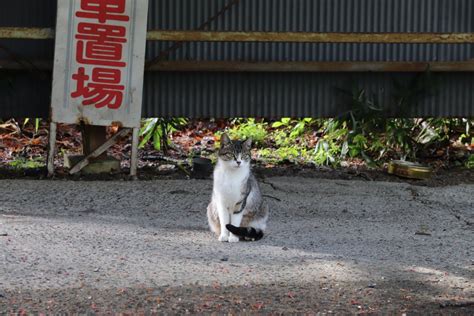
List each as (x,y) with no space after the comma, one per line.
(104,88)
(103,10)
(100,44)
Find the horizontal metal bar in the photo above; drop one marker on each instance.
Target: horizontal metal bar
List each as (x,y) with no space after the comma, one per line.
(26,33)
(302,66)
(282,66)
(201,36)
(389,38)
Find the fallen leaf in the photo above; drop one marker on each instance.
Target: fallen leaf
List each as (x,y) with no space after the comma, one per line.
(35,141)
(258,305)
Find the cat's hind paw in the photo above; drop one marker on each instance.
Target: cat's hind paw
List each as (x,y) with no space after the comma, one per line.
(233,238)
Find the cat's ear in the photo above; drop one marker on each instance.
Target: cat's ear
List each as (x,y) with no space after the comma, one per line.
(225,140)
(248,143)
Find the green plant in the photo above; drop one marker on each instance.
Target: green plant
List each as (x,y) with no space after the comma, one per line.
(24,163)
(249,128)
(364,122)
(158,130)
(333,145)
(470,162)
(467,135)
(37,123)
(372,135)
(296,127)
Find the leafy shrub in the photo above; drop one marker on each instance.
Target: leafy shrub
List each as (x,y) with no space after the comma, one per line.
(24,163)
(470,161)
(158,130)
(249,128)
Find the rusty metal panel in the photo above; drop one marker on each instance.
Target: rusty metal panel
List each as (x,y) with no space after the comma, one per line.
(99,64)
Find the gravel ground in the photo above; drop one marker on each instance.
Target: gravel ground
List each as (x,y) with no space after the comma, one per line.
(333,246)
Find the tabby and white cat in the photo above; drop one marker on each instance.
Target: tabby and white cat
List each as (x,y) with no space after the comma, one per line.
(237,210)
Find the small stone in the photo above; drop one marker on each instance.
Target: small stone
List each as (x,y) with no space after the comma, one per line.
(284,248)
(225,259)
(3,234)
(166,167)
(372,286)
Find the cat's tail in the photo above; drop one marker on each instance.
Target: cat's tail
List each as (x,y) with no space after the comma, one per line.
(249,233)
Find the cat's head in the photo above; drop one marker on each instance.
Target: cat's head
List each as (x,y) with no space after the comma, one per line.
(235,154)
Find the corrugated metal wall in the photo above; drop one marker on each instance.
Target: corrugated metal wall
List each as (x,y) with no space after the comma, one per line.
(317,16)
(293,94)
(267,94)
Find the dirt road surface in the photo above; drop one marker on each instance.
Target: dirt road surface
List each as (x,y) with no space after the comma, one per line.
(333,246)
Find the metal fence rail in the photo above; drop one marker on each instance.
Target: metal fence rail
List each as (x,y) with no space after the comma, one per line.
(289,37)
(296,66)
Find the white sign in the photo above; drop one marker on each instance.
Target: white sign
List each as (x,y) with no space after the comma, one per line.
(99,62)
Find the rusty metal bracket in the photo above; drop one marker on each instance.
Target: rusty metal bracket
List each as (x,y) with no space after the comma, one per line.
(101,149)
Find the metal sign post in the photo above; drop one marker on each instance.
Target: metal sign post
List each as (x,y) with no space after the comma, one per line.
(98,69)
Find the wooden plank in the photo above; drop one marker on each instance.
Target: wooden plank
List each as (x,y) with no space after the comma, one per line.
(92,137)
(110,142)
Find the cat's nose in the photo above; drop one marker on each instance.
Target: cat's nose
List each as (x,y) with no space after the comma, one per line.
(238,162)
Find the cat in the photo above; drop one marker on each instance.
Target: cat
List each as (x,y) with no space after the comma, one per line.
(237,210)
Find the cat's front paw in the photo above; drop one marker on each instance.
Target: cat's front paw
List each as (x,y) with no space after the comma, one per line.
(223,238)
(233,238)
